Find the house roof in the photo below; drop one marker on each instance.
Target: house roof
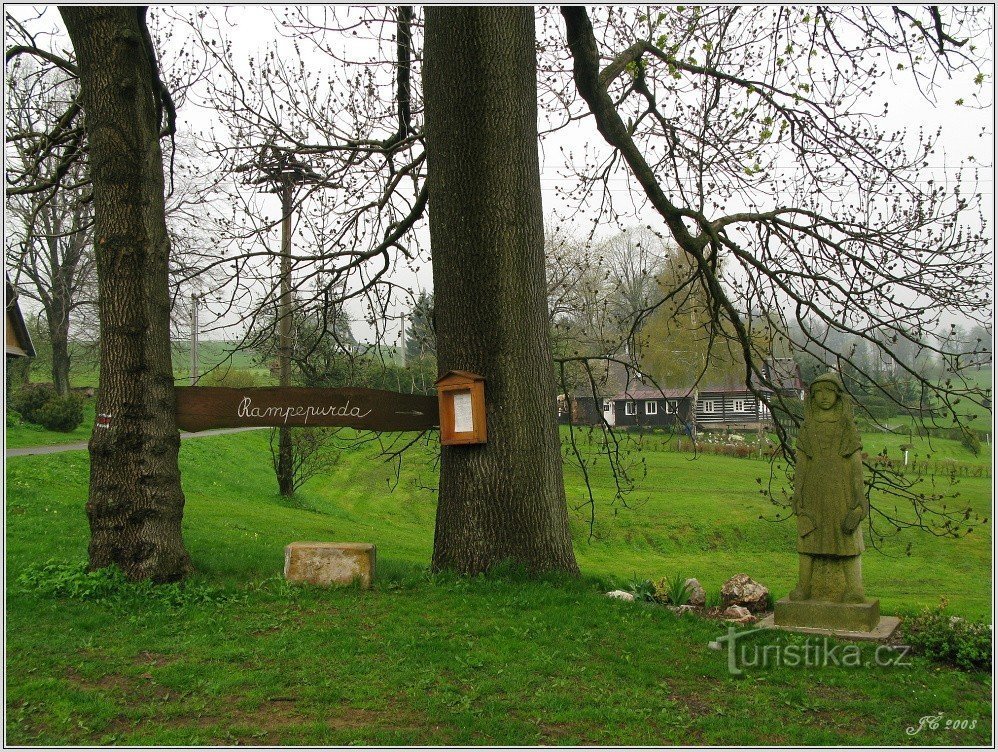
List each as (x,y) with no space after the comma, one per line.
(648,394)
(17,341)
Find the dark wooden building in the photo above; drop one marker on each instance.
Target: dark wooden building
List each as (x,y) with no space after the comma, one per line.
(718,406)
(585,410)
(653,408)
(733,406)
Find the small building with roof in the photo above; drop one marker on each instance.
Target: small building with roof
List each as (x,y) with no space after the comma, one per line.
(728,405)
(17,340)
(731,405)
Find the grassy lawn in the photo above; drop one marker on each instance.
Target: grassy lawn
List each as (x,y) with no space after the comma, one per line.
(220,356)
(238,657)
(922,447)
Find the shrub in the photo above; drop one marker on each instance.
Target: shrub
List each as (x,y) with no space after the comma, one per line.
(643,590)
(950,639)
(672,590)
(878,408)
(13,418)
(970,441)
(61,413)
(30,398)
(56,579)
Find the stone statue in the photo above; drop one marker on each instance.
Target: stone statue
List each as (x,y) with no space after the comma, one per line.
(830,505)
(828,497)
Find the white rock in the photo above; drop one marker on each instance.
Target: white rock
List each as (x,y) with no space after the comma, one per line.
(621,595)
(741,590)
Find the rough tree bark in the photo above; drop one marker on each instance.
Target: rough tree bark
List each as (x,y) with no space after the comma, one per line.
(503,501)
(136,503)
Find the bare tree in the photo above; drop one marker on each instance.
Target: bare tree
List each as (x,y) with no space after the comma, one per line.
(704,106)
(47,242)
(312,453)
(353,124)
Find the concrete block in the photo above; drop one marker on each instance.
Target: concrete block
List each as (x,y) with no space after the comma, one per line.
(883,631)
(330,563)
(851,617)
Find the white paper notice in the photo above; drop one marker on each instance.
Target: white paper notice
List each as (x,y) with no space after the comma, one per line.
(462,413)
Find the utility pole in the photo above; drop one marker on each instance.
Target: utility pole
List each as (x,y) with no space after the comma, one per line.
(283,171)
(194,338)
(405,349)
(285,469)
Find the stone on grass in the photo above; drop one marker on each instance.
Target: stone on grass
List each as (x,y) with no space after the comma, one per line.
(742,590)
(686,608)
(330,563)
(738,614)
(621,595)
(697,596)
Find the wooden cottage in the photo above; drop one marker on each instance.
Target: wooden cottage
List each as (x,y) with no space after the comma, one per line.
(654,408)
(582,410)
(720,406)
(733,406)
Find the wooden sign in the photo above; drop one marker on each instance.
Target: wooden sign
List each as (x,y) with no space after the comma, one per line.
(461,396)
(202,407)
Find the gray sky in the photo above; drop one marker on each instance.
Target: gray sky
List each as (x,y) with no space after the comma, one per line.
(966,130)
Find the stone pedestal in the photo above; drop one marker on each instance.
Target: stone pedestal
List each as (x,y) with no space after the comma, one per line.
(330,563)
(846,617)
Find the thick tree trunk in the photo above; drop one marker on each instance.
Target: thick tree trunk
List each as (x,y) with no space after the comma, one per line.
(503,501)
(136,502)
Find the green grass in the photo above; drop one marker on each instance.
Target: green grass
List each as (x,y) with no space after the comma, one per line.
(220,356)
(440,660)
(211,353)
(921,447)
(974,416)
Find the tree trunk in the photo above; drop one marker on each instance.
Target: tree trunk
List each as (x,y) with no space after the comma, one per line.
(136,503)
(60,358)
(503,501)
(57,317)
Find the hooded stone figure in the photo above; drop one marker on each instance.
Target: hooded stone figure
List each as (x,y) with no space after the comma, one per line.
(828,496)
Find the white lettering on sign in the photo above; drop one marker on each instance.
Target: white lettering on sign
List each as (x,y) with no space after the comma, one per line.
(463,422)
(248,410)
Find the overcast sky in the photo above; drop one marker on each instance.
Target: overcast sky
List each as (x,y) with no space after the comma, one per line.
(966,130)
